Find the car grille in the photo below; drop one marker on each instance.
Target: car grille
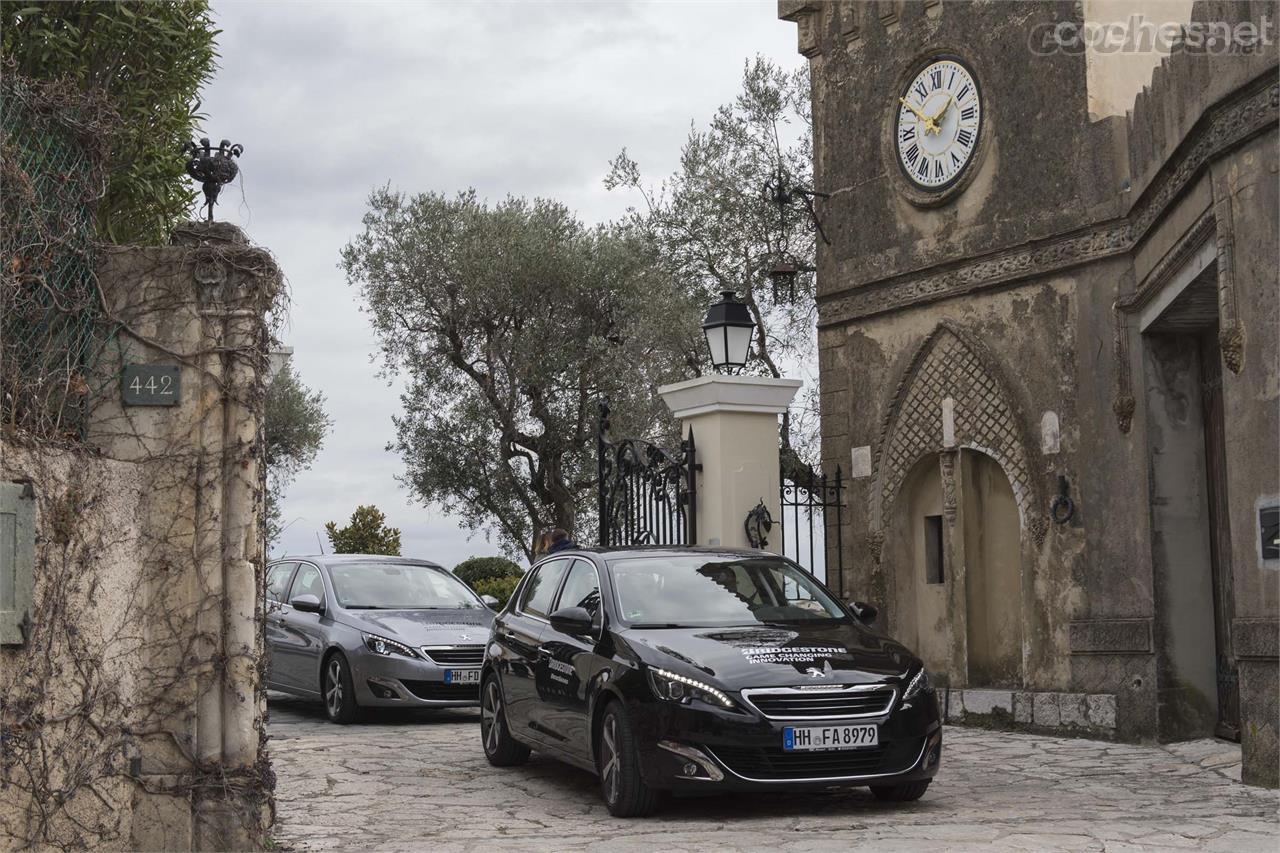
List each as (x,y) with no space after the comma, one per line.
(440,691)
(768,763)
(814,704)
(455,655)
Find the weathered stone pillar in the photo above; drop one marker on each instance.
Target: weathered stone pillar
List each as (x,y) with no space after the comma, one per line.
(195,311)
(734,420)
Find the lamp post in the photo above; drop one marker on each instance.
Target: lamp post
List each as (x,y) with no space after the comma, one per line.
(729,329)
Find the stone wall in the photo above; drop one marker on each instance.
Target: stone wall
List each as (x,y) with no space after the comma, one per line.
(134,712)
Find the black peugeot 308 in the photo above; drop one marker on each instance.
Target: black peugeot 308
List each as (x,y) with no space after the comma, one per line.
(702,669)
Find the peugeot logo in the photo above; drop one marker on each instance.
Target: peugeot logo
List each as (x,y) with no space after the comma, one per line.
(814,672)
(464,636)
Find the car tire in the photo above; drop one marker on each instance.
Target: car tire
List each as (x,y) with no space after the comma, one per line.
(618,765)
(338,691)
(500,748)
(907,792)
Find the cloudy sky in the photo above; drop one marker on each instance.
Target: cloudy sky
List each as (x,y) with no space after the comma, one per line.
(527,98)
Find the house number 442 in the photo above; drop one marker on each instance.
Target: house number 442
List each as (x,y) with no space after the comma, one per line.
(151,384)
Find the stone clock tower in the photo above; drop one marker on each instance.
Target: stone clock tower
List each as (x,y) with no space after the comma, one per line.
(1048,347)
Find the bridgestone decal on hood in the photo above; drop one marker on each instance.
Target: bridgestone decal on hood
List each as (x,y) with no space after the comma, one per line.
(792,654)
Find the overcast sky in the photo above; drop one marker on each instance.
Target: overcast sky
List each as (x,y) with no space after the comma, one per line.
(527,98)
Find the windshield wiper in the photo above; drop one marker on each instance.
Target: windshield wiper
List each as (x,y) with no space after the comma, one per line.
(658,625)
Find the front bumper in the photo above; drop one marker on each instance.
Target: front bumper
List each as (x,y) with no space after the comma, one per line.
(395,681)
(689,749)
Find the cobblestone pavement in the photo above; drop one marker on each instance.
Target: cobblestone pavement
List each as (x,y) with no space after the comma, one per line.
(420,782)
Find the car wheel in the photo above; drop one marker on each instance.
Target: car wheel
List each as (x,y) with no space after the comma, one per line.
(617,762)
(907,792)
(500,747)
(338,691)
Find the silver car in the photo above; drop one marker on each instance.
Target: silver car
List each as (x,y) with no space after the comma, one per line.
(357,631)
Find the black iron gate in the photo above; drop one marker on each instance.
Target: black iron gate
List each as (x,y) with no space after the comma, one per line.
(647,496)
(811,531)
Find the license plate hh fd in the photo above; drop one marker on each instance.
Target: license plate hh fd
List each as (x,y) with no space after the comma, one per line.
(462,676)
(804,738)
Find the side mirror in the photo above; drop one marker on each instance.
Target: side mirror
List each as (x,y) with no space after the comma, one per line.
(866,613)
(307,603)
(489,602)
(574,621)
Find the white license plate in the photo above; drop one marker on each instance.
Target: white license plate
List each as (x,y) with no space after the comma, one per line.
(802,738)
(462,676)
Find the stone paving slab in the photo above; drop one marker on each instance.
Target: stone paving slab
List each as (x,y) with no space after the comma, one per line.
(419,782)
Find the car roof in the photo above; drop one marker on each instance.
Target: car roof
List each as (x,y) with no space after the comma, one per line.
(665,551)
(340,559)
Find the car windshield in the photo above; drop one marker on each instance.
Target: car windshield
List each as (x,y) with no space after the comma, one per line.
(696,591)
(398,586)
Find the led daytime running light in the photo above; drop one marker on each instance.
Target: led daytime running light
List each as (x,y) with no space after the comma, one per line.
(372,641)
(918,684)
(719,695)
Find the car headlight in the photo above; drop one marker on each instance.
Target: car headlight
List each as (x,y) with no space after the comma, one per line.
(678,688)
(917,685)
(383,646)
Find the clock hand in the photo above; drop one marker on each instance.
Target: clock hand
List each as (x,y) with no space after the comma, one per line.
(943,110)
(929,126)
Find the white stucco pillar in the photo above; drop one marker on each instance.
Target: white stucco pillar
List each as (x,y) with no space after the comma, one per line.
(734,420)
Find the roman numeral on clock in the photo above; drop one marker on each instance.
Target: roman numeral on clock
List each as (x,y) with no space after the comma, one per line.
(963,92)
(937,169)
(913,153)
(920,90)
(936,77)
(908,134)
(968,113)
(964,137)
(923,169)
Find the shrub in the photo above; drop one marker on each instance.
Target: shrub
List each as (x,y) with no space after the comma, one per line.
(499,588)
(477,569)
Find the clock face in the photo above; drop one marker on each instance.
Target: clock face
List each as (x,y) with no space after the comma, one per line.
(939,122)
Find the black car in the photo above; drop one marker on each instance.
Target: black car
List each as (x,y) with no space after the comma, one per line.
(699,670)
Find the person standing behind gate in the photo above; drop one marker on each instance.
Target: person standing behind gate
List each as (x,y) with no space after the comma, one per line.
(560,541)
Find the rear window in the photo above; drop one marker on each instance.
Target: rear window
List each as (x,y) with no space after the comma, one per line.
(541,588)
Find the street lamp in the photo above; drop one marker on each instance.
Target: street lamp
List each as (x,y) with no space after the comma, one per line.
(728,328)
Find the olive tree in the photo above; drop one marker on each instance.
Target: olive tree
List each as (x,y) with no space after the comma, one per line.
(294,425)
(715,229)
(509,322)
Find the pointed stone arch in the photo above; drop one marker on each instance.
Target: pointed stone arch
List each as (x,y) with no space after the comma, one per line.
(950,363)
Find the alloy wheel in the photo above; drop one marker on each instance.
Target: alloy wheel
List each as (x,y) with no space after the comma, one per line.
(490,716)
(333,687)
(609,752)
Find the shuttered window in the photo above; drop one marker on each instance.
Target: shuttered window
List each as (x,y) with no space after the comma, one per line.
(17,560)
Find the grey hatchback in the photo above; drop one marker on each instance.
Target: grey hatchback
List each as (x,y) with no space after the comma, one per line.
(358,631)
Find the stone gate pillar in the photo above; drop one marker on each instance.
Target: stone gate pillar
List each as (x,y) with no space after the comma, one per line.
(734,420)
(183,403)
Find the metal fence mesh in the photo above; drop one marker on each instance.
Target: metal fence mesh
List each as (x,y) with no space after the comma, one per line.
(52,140)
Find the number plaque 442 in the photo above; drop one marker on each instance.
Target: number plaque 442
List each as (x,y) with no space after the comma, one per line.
(151,384)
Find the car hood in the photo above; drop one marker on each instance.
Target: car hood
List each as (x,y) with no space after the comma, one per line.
(425,627)
(771,656)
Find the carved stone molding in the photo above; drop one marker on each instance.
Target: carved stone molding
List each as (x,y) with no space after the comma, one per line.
(1222,128)
(947,462)
(1171,263)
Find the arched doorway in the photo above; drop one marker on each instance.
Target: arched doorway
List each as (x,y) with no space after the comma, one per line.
(993,573)
(919,612)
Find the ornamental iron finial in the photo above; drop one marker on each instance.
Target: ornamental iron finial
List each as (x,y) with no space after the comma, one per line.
(214,168)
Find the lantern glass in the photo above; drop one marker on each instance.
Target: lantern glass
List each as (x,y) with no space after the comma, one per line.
(728,328)
(739,344)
